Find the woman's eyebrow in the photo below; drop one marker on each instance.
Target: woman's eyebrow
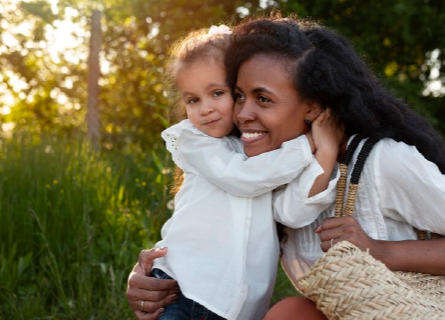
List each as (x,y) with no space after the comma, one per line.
(261,89)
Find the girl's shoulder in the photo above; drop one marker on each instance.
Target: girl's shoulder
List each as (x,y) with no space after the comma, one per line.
(185,137)
(177,130)
(182,131)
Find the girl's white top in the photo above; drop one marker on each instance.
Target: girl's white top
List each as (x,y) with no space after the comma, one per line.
(398,190)
(222,245)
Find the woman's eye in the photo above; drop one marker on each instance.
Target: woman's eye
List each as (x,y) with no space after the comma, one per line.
(218,93)
(263,99)
(239,96)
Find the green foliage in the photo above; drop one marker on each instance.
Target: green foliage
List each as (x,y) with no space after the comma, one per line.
(395,38)
(72,224)
(136,38)
(283,287)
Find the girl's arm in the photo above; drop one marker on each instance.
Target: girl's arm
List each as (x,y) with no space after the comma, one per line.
(216,160)
(410,189)
(312,191)
(294,208)
(327,134)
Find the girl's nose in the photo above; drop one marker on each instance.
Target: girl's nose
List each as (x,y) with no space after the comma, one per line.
(206,108)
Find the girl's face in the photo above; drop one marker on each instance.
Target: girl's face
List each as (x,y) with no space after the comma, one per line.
(268,110)
(207,98)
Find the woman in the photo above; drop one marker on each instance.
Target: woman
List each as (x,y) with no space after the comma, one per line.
(322,68)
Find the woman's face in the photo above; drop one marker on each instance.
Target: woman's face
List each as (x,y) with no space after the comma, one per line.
(268,110)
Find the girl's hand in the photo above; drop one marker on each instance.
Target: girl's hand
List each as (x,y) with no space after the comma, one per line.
(327,132)
(147,295)
(311,141)
(333,230)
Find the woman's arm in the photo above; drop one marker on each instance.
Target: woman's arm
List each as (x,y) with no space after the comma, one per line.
(217,161)
(426,256)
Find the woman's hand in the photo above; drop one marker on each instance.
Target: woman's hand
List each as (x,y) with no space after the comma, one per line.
(333,230)
(147,295)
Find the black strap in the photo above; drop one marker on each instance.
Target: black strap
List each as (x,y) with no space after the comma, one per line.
(361,158)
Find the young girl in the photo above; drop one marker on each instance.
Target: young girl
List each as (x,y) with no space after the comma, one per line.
(222,242)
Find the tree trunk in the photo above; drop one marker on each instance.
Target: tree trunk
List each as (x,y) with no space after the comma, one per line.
(92,116)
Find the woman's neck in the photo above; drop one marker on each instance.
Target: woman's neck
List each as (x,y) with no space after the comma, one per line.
(342,148)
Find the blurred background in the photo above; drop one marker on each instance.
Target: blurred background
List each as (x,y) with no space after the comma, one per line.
(84,176)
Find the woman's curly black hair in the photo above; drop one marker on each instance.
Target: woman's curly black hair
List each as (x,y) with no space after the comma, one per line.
(326,69)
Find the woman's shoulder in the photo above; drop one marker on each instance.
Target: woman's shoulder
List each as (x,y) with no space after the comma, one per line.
(390,149)
(394,158)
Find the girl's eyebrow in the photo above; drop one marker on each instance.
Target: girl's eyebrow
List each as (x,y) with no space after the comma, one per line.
(186,93)
(210,85)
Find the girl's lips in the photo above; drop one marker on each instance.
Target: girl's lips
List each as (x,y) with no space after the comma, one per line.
(247,137)
(211,123)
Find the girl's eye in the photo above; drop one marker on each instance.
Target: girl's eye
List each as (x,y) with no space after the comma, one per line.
(192,101)
(218,93)
(263,99)
(239,96)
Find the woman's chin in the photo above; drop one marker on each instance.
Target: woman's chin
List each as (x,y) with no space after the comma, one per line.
(252,151)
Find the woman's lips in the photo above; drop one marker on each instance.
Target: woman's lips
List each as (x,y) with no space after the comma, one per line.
(247,137)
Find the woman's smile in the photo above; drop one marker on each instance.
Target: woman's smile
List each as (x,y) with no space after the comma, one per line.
(250,137)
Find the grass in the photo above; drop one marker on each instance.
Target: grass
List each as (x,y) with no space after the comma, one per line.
(72,222)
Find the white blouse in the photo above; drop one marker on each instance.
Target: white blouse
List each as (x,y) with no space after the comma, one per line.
(398,190)
(223,247)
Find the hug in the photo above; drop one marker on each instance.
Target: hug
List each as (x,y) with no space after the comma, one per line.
(270,109)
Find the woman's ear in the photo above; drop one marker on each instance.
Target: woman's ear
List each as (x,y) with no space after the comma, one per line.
(313,112)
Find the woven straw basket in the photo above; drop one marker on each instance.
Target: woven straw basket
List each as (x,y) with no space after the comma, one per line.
(347,283)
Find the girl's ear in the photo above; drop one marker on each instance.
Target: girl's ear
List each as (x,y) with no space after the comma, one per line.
(314,111)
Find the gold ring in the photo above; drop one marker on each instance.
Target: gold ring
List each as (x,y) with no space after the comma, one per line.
(142,305)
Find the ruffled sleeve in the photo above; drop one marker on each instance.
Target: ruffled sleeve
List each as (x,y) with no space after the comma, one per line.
(173,135)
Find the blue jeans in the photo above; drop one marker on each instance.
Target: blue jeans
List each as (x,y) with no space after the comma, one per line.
(184,308)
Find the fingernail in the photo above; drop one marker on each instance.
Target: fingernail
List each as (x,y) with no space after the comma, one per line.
(161,311)
(317,229)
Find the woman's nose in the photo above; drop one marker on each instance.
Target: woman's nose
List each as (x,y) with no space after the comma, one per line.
(245,112)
